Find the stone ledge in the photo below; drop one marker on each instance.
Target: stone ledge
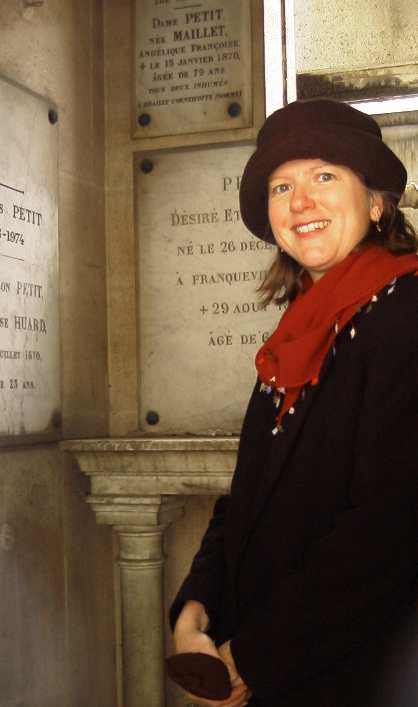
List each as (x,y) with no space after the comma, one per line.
(151,444)
(163,466)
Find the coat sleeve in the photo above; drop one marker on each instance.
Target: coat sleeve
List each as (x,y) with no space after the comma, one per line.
(206,577)
(204,581)
(354,578)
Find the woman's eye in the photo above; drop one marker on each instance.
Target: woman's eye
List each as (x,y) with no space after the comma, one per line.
(280,188)
(325,177)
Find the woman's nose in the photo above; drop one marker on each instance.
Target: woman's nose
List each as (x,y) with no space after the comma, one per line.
(301,199)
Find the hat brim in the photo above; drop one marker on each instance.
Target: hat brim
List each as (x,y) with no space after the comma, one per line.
(362,152)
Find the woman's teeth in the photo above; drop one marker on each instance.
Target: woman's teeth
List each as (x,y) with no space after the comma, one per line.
(307,227)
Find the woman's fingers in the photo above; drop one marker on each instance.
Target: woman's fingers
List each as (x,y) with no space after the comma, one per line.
(238,698)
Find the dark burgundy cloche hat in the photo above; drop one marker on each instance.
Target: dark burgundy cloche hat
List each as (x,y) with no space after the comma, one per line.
(324,129)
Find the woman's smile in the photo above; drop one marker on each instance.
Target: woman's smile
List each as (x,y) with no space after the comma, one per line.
(311,228)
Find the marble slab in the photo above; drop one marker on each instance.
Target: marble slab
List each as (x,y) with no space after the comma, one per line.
(351,34)
(200,322)
(193,68)
(29,343)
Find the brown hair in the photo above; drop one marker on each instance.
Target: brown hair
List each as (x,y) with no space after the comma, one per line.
(283,280)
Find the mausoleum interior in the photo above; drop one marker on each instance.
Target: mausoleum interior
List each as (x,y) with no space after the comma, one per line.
(129,318)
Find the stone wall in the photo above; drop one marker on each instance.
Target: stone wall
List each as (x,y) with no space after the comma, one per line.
(56,592)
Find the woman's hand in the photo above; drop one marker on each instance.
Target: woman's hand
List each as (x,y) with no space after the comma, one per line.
(189,631)
(240,693)
(189,637)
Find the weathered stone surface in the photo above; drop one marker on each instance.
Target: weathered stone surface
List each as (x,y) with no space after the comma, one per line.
(57,638)
(349,34)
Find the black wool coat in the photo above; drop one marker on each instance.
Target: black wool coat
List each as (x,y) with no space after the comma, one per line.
(309,566)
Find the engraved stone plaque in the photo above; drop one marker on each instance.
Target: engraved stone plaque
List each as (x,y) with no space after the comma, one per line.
(192,66)
(29,344)
(200,320)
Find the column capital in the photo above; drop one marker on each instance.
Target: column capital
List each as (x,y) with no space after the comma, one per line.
(135,512)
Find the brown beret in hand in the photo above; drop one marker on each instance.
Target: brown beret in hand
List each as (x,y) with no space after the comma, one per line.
(200,674)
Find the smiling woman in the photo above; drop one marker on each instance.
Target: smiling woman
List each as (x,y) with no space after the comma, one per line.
(311,563)
(319,212)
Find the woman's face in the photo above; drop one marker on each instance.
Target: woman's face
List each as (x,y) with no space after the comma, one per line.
(319,212)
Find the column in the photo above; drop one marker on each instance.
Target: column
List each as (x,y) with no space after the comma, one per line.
(141,562)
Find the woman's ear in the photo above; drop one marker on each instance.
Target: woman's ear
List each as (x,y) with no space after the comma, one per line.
(376,206)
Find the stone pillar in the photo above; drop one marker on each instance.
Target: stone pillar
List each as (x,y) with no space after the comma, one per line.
(140,524)
(138,486)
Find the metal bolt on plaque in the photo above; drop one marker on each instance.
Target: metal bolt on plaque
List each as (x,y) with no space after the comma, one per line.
(146,166)
(234,109)
(144,119)
(152,417)
(52,116)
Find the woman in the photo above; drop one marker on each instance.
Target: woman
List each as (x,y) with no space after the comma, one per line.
(309,565)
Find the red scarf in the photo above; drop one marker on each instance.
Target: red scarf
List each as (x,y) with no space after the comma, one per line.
(295,352)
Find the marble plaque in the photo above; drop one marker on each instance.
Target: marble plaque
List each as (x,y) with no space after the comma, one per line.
(29,344)
(192,66)
(200,320)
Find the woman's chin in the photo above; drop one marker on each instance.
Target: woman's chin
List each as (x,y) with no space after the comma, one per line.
(317,259)
(317,264)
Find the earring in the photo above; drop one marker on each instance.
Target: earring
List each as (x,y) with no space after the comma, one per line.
(378,216)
